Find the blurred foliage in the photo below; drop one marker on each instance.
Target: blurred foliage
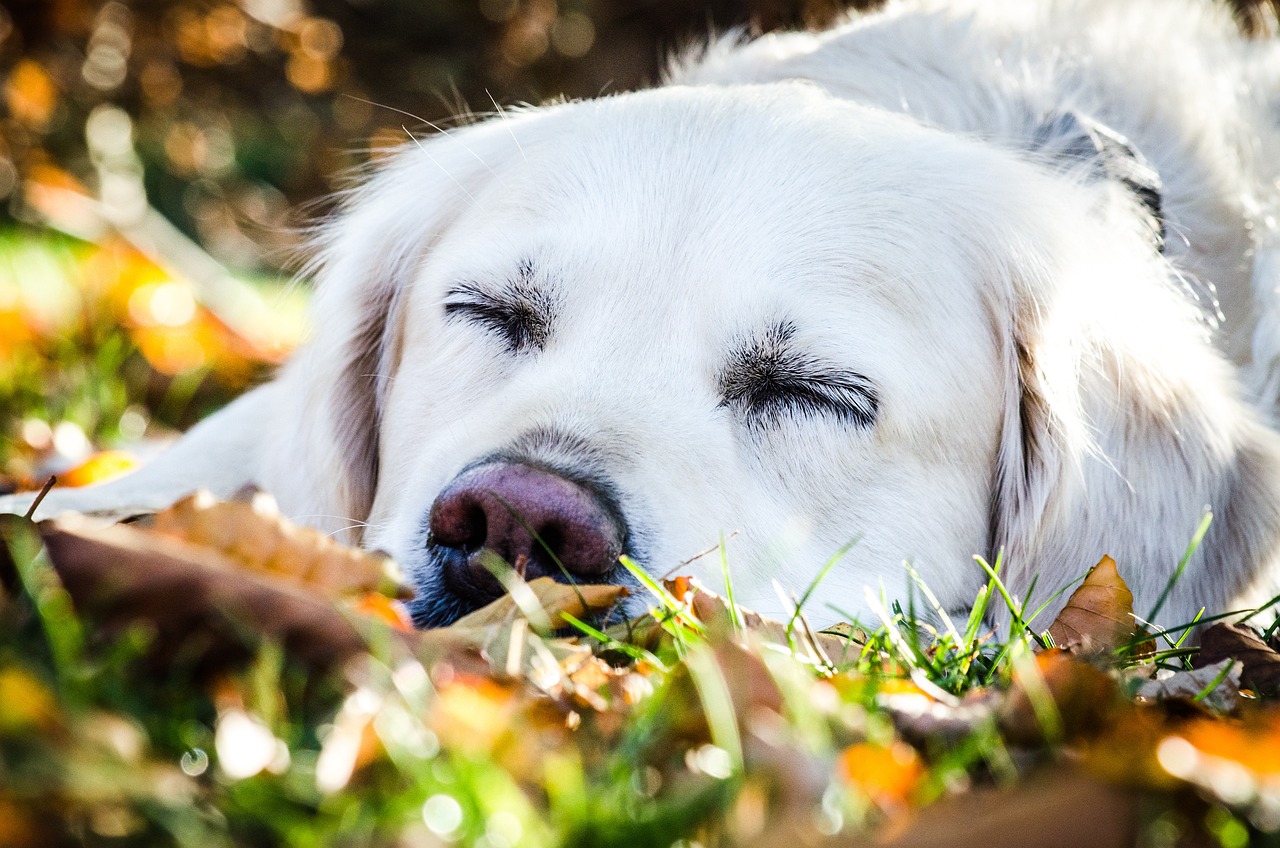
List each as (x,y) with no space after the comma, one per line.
(239,111)
(99,344)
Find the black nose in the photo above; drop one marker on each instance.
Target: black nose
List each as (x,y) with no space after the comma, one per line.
(532,519)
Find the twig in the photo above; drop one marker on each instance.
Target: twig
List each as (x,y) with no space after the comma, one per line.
(48,484)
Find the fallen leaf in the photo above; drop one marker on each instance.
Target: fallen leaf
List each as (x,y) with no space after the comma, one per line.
(256,536)
(579,601)
(821,648)
(1054,694)
(1192,686)
(101,466)
(888,774)
(121,574)
(1064,808)
(1260,663)
(1098,616)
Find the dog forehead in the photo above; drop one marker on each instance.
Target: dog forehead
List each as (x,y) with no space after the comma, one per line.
(753,192)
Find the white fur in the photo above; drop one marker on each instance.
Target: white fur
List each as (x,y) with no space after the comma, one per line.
(1049,383)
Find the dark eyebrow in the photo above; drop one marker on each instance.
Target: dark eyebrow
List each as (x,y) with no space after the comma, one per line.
(518,310)
(767,377)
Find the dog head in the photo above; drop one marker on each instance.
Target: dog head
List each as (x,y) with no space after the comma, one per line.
(644,324)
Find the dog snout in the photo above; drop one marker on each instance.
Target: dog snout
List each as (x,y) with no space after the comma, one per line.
(531,518)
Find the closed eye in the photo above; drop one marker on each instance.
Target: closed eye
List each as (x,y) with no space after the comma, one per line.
(767,380)
(768,397)
(518,314)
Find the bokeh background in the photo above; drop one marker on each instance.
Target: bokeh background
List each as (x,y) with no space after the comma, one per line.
(158,157)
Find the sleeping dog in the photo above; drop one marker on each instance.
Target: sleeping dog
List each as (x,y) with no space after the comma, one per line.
(948,279)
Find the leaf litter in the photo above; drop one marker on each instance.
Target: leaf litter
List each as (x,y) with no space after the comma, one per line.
(699,721)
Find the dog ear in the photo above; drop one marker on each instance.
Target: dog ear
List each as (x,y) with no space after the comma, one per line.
(1072,141)
(1122,425)
(323,453)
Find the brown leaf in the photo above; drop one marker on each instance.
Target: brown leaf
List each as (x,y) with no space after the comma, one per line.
(555,598)
(1189,686)
(822,647)
(1098,616)
(120,575)
(198,597)
(1067,694)
(1260,663)
(255,535)
(1060,809)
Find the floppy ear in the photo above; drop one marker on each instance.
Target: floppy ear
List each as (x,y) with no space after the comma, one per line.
(310,437)
(1122,425)
(322,451)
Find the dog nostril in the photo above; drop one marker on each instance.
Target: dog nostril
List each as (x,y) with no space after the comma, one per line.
(550,544)
(477,529)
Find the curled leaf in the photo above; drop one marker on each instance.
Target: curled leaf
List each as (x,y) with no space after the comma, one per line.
(256,536)
(1098,616)
(1260,663)
(555,598)
(1216,686)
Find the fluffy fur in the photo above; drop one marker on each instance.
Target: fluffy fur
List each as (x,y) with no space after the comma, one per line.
(959,202)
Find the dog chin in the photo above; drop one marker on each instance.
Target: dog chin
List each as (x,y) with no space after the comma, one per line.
(435,603)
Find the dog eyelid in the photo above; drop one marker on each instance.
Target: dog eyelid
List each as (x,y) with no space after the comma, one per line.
(766,398)
(768,379)
(521,316)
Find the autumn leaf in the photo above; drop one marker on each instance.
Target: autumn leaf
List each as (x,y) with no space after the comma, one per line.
(1260,663)
(258,538)
(888,774)
(101,466)
(1098,616)
(1216,686)
(121,574)
(1056,694)
(555,599)
(821,647)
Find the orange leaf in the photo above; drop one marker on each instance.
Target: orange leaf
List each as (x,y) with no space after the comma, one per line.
(103,465)
(256,536)
(886,773)
(386,610)
(1098,616)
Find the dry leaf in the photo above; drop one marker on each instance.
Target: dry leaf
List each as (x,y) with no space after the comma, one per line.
(888,774)
(256,536)
(1188,686)
(122,574)
(1098,616)
(579,601)
(822,648)
(1260,664)
(1075,694)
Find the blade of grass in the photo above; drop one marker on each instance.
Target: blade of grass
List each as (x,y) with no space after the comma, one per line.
(993,572)
(734,617)
(1196,539)
(943,616)
(678,609)
(717,704)
(523,596)
(818,578)
(635,652)
(1213,684)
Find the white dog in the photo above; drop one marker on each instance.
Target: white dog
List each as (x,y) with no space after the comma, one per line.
(948,279)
